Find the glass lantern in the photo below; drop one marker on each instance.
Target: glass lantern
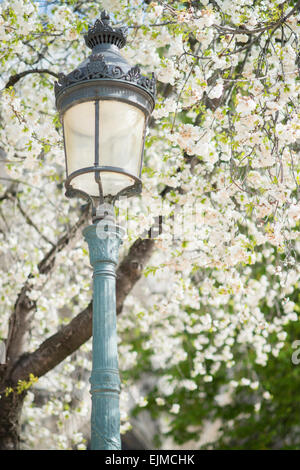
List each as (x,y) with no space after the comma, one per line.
(104,106)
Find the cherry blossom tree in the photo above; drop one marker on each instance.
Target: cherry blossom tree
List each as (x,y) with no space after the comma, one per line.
(214,283)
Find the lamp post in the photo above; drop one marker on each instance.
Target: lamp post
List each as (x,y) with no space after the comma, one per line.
(104,107)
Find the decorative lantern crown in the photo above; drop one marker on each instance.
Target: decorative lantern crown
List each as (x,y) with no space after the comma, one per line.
(106,62)
(103,33)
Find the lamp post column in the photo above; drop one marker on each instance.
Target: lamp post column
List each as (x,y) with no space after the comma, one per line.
(104,240)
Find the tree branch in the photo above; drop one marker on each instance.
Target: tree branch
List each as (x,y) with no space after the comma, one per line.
(31,223)
(21,316)
(13,79)
(47,262)
(272,25)
(63,343)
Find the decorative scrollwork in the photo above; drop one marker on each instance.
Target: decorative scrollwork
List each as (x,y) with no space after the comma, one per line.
(134,73)
(97,68)
(95,57)
(103,33)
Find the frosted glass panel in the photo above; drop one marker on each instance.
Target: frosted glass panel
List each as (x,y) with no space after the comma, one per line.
(121,135)
(79,128)
(112,183)
(121,129)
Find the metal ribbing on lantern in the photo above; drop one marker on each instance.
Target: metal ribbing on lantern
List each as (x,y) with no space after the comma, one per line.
(103,33)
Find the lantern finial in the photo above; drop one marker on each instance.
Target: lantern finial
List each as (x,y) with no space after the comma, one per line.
(104,33)
(105,16)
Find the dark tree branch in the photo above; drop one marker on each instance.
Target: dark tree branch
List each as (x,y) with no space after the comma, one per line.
(267,26)
(48,261)
(56,348)
(31,223)
(131,268)
(13,79)
(21,316)
(63,343)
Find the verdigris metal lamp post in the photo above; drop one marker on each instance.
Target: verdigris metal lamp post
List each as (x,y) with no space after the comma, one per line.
(104,107)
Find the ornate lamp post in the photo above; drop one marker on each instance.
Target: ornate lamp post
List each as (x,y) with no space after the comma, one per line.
(104,107)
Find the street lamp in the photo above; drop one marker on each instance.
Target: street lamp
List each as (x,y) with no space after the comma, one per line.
(104,107)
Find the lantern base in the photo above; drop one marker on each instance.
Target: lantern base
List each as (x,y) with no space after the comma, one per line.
(129,191)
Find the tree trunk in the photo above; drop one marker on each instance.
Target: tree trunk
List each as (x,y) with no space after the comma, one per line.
(10,415)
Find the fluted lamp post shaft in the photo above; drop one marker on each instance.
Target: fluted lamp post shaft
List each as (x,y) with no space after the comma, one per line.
(105,382)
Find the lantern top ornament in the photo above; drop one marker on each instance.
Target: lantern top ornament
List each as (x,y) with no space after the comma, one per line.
(106,62)
(103,33)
